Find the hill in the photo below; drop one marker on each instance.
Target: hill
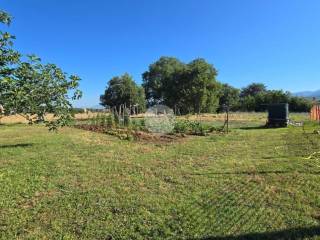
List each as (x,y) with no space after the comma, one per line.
(308,94)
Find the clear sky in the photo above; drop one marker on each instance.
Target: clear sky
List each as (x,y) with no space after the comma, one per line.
(276,42)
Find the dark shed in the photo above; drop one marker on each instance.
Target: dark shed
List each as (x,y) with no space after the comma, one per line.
(278,115)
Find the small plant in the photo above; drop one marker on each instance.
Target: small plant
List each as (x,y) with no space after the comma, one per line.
(99,119)
(192,127)
(135,124)
(116,118)
(181,126)
(198,129)
(143,123)
(109,121)
(126,119)
(104,120)
(93,120)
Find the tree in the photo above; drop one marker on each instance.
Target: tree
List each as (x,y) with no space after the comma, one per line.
(35,89)
(8,56)
(160,79)
(248,103)
(188,87)
(32,89)
(260,100)
(201,86)
(123,90)
(229,96)
(253,89)
(300,104)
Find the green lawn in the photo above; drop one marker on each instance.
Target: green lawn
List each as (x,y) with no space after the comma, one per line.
(74,184)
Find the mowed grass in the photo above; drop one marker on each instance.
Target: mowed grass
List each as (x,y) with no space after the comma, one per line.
(74,184)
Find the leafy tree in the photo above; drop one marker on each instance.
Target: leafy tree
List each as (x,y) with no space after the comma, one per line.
(277,96)
(253,89)
(189,87)
(8,56)
(141,99)
(32,89)
(229,96)
(260,101)
(300,104)
(35,89)
(248,103)
(126,119)
(123,90)
(201,87)
(159,80)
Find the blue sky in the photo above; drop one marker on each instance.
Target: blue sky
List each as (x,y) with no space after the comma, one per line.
(276,42)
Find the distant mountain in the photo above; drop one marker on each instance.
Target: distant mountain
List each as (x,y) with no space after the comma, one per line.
(97,107)
(90,107)
(308,94)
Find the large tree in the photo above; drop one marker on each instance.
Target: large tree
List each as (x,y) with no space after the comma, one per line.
(188,87)
(229,97)
(32,89)
(251,96)
(161,79)
(253,89)
(123,90)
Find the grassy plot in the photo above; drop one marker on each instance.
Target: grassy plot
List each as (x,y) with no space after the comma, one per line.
(75,184)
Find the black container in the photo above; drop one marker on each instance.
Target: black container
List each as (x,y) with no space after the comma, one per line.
(278,115)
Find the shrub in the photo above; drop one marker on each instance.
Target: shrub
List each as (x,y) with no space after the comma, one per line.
(181,126)
(126,119)
(116,118)
(109,121)
(192,127)
(143,123)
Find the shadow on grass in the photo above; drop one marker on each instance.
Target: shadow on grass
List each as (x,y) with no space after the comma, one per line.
(293,233)
(254,127)
(256,173)
(238,208)
(22,145)
(12,124)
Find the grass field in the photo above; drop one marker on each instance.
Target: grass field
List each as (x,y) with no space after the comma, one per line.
(250,184)
(20,119)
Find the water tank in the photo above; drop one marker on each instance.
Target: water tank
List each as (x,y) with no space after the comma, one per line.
(278,115)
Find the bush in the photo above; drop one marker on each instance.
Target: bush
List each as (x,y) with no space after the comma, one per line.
(181,126)
(110,121)
(192,127)
(126,120)
(143,123)
(116,118)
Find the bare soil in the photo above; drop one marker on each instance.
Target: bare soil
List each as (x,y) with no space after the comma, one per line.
(136,134)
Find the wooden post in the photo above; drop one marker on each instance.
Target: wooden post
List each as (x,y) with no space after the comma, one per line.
(227,118)
(318,113)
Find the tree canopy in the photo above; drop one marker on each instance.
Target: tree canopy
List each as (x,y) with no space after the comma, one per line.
(230,96)
(188,87)
(253,89)
(256,97)
(123,90)
(33,89)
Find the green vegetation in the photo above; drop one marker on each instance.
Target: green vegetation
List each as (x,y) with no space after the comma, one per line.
(75,184)
(193,127)
(186,88)
(32,89)
(255,97)
(78,184)
(124,91)
(193,88)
